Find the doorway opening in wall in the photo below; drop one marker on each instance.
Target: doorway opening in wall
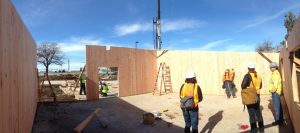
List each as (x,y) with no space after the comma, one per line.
(108,82)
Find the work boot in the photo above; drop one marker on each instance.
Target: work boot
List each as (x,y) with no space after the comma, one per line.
(261,127)
(187,130)
(253,128)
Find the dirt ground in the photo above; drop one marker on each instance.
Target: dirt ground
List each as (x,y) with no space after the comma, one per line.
(65,92)
(124,115)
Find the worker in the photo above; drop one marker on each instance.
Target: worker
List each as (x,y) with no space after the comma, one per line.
(103,89)
(227,81)
(274,87)
(252,80)
(82,80)
(190,92)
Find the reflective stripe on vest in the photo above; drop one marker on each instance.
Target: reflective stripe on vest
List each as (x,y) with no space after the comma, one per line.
(184,91)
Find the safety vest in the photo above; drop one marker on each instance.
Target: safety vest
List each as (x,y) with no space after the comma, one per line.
(82,79)
(255,83)
(189,90)
(104,89)
(275,83)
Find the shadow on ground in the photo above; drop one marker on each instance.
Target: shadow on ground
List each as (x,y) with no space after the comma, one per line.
(120,116)
(212,122)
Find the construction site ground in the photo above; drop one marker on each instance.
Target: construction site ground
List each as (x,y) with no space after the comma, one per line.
(124,115)
(67,92)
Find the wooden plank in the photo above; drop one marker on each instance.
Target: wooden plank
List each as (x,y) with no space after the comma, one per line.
(297,61)
(86,121)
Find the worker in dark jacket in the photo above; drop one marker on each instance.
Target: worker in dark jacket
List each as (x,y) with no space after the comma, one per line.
(253,81)
(191,89)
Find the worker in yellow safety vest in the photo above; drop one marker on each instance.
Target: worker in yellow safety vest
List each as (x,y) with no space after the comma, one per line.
(190,95)
(252,80)
(275,88)
(82,80)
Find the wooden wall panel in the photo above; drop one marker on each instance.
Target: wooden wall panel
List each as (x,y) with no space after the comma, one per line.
(210,66)
(137,69)
(290,86)
(18,80)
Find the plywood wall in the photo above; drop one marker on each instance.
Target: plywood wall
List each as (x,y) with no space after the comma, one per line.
(137,69)
(289,76)
(18,80)
(210,67)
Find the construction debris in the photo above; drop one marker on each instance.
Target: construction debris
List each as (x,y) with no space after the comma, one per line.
(148,118)
(83,124)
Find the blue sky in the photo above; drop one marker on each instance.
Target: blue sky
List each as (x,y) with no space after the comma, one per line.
(208,25)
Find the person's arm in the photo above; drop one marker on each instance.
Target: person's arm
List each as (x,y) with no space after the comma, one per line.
(277,83)
(200,96)
(180,91)
(260,83)
(246,81)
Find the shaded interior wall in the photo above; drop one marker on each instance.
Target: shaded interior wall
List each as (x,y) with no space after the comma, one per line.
(137,69)
(210,67)
(289,76)
(18,75)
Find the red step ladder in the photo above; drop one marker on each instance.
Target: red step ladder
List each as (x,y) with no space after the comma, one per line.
(164,77)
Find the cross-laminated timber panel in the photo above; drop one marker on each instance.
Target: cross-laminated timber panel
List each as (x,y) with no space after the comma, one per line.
(289,75)
(18,80)
(210,67)
(137,69)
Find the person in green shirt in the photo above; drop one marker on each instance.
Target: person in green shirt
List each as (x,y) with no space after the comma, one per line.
(82,80)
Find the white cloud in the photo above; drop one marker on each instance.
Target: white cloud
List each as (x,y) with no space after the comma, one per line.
(181,24)
(210,45)
(240,48)
(167,26)
(125,29)
(269,18)
(77,44)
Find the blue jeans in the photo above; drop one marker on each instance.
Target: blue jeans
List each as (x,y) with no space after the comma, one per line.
(229,87)
(191,119)
(277,107)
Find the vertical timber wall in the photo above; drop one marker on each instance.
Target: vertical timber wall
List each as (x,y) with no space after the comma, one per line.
(210,67)
(137,69)
(289,75)
(18,75)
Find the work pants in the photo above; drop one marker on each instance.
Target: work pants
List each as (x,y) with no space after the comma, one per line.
(191,119)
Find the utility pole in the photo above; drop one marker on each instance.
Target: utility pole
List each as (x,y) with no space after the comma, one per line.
(158,27)
(69,65)
(157,24)
(136,44)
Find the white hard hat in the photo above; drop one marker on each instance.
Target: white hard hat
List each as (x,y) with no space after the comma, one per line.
(190,74)
(251,65)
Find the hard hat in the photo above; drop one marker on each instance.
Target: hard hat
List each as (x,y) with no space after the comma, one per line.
(273,65)
(251,65)
(190,74)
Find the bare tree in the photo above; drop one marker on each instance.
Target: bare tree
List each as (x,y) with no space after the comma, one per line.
(49,53)
(265,46)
